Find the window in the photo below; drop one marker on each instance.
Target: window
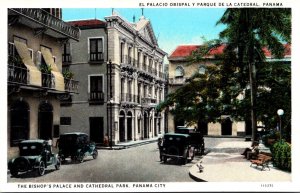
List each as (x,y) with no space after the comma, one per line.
(96,49)
(65,120)
(202,69)
(122,52)
(179,72)
(66,56)
(96,88)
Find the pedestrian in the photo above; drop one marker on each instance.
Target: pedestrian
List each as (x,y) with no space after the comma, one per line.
(160,147)
(50,144)
(253,151)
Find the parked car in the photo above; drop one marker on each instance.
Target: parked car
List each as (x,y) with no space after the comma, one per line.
(35,155)
(197,139)
(178,147)
(77,146)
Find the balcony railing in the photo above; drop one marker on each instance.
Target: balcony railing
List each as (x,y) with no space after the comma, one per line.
(126,97)
(17,74)
(66,58)
(177,80)
(96,57)
(96,97)
(48,20)
(71,85)
(148,101)
(48,81)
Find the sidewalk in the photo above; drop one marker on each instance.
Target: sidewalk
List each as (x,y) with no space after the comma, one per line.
(129,144)
(231,166)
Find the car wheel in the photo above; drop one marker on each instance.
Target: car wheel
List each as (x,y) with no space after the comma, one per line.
(58,163)
(14,172)
(95,154)
(80,157)
(41,168)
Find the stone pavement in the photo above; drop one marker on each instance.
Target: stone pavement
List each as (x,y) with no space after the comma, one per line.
(224,163)
(125,145)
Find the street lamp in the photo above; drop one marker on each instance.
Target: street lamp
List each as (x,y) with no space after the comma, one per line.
(280,112)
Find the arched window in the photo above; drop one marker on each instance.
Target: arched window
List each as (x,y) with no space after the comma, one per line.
(179,72)
(202,69)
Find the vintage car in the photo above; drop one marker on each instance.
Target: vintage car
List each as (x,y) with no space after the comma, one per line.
(35,155)
(177,147)
(77,146)
(197,139)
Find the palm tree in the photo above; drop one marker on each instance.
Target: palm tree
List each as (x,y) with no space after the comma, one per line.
(248,31)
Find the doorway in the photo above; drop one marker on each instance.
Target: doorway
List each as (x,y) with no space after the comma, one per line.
(96,129)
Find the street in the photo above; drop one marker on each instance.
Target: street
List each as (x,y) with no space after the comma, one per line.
(137,164)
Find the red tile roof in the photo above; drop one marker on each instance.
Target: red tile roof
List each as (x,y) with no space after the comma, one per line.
(287,51)
(86,23)
(183,51)
(186,50)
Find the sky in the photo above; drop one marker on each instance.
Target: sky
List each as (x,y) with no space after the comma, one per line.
(172,26)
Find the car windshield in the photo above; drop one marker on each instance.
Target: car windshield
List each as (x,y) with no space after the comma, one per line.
(31,149)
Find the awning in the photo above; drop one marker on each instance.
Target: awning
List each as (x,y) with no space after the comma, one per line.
(35,75)
(58,77)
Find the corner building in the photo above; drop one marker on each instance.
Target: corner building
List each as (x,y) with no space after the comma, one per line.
(35,82)
(136,81)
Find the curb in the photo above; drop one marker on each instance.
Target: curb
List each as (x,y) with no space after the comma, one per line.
(120,147)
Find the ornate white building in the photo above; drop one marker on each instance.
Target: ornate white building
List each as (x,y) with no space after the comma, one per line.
(136,81)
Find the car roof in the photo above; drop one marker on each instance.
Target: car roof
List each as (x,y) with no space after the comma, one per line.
(74,133)
(177,134)
(33,141)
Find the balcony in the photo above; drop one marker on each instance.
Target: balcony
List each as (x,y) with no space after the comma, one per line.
(48,81)
(97,57)
(66,58)
(148,102)
(177,80)
(39,19)
(17,75)
(126,97)
(71,85)
(96,97)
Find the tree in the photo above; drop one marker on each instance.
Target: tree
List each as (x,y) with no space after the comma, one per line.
(248,31)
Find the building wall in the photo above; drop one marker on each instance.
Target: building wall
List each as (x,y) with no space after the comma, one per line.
(80,109)
(31,97)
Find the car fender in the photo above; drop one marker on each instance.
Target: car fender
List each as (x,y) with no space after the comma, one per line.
(37,161)
(10,163)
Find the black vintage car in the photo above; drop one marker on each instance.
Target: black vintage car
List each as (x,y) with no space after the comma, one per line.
(177,147)
(35,155)
(197,139)
(76,145)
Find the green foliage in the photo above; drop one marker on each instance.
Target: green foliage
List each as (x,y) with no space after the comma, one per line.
(45,68)
(281,152)
(68,74)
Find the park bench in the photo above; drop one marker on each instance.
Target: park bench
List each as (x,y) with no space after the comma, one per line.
(262,160)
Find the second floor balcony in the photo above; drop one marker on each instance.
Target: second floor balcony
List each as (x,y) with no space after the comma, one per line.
(96,57)
(40,19)
(96,97)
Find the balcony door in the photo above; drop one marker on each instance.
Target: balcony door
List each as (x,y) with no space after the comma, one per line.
(96,88)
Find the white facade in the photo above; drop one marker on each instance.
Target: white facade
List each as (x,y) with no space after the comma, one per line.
(137,79)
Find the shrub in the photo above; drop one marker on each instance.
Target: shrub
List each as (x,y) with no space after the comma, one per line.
(281,151)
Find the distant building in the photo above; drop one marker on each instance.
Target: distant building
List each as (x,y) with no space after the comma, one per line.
(180,69)
(86,60)
(137,79)
(35,81)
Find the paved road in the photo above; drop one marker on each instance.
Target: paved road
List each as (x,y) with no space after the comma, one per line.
(137,164)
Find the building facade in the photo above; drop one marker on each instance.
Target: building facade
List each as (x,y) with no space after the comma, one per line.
(136,80)
(86,60)
(180,69)
(35,81)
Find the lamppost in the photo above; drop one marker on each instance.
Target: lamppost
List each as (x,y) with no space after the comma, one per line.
(280,112)
(110,102)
